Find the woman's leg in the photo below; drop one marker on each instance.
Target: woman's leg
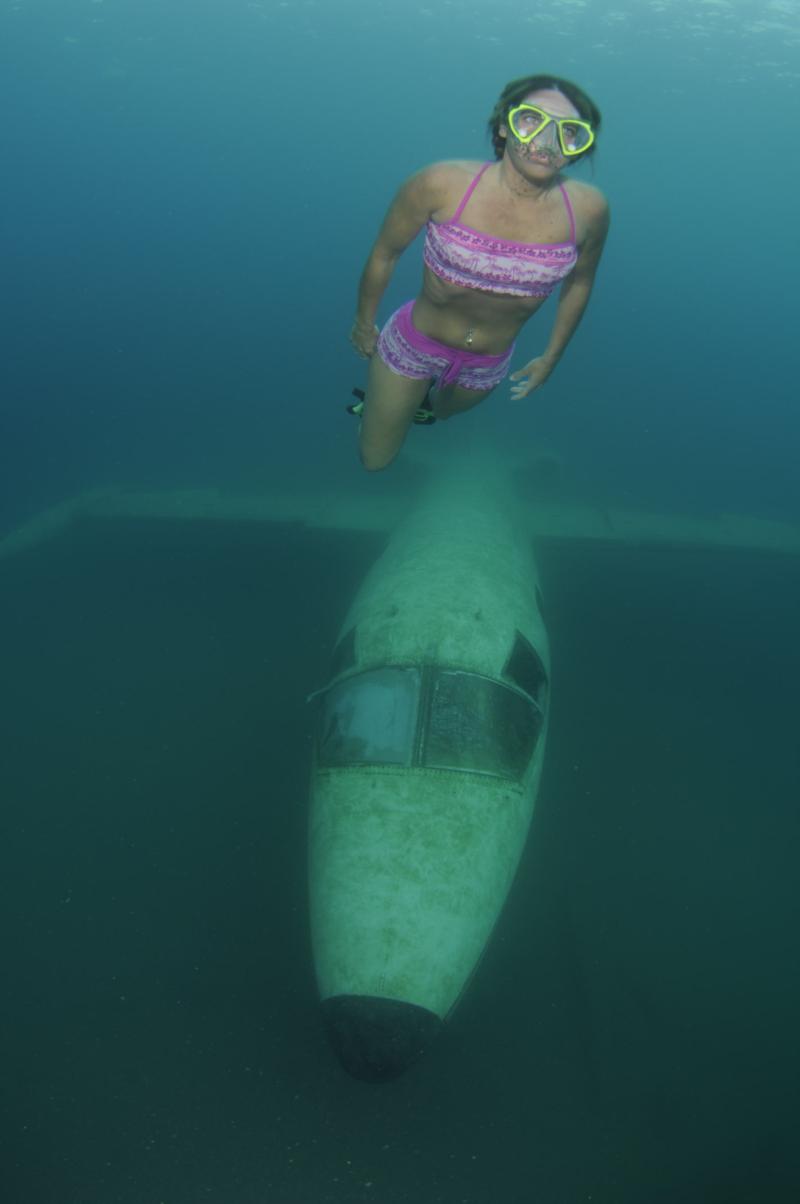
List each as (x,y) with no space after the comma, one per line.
(391,402)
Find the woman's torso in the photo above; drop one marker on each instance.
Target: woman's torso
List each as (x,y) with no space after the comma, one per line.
(494,238)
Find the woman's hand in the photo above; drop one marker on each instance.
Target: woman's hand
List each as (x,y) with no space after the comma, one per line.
(530,377)
(363,337)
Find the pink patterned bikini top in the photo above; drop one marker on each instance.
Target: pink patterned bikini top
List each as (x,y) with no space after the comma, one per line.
(464,256)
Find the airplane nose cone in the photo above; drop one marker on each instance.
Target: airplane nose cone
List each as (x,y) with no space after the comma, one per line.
(377,1039)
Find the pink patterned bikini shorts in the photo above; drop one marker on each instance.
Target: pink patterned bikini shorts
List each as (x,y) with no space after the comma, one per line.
(408,352)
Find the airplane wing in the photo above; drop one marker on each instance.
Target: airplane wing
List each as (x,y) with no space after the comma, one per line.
(315,511)
(564,521)
(557,521)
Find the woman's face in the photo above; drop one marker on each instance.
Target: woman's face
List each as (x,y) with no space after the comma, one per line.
(542,156)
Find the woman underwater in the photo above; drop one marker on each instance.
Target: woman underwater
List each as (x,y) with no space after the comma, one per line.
(500,237)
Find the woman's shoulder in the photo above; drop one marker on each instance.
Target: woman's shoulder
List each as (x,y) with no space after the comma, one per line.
(446,174)
(589,202)
(592,217)
(455,167)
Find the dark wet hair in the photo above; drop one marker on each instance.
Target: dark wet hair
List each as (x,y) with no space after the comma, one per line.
(516,91)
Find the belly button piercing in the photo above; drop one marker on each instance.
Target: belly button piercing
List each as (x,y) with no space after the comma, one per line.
(469,337)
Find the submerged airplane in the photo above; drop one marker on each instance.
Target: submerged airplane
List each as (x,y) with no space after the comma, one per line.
(428,760)
(431,729)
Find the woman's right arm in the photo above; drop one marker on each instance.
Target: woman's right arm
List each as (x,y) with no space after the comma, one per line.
(409,211)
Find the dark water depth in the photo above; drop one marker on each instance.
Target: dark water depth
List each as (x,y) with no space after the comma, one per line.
(631,1034)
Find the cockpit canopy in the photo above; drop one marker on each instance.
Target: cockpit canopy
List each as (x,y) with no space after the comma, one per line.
(436,718)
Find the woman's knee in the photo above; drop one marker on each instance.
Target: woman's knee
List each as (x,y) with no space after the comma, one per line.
(378,444)
(373,459)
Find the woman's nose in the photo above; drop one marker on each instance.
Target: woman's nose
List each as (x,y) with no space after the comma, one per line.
(547,136)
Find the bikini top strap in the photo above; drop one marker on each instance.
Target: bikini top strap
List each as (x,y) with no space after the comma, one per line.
(469,193)
(568,204)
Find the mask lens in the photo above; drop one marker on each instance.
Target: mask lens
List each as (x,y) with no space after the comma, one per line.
(575,136)
(526,121)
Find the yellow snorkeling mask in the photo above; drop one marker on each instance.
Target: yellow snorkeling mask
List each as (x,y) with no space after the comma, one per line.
(526,122)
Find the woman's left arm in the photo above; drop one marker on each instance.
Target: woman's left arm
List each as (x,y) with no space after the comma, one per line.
(572,301)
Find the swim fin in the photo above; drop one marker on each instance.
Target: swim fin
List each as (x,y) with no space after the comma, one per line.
(425,415)
(356,407)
